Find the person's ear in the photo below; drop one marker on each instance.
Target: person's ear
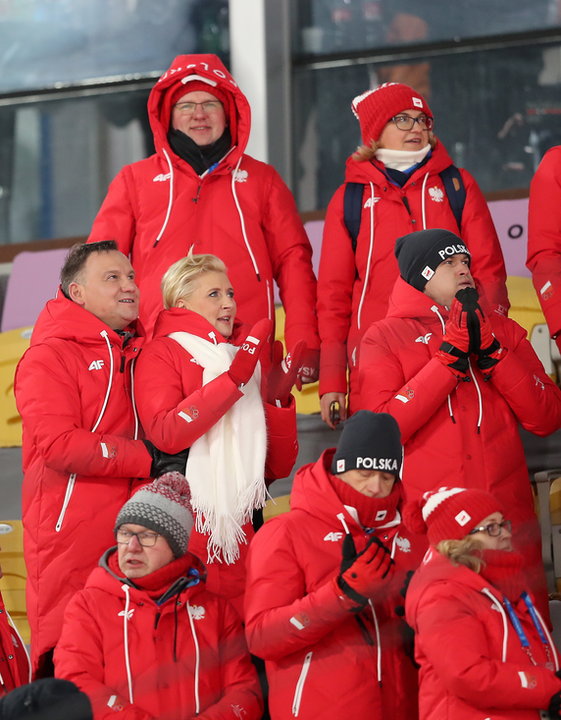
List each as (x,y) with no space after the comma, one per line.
(76,293)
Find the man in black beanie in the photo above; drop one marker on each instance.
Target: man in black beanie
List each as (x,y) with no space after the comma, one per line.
(459,382)
(324,583)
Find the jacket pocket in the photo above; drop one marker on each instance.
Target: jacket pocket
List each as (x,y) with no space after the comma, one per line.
(300,684)
(67,495)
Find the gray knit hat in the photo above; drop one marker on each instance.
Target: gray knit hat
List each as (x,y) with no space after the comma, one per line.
(163,506)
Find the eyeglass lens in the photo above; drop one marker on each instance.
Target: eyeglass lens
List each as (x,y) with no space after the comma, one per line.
(407,122)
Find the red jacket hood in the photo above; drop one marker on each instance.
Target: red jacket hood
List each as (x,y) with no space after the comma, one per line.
(62,318)
(437,568)
(373,171)
(208,68)
(408,302)
(182,320)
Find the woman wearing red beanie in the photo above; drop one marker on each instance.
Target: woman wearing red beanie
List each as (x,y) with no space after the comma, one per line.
(400,189)
(483,648)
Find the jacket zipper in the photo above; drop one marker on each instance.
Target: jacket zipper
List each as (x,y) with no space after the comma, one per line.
(269,304)
(67,495)
(300,684)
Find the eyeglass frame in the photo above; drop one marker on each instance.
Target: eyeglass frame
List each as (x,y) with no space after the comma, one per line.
(504,525)
(427,120)
(131,534)
(184,111)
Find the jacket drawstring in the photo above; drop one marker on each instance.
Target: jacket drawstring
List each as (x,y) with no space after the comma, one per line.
(175,631)
(341,518)
(197,656)
(22,644)
(135,412)
(435,310)
(370,249)
(242,220)
(212,336)
(125,588)
(498,606)
(479,398)
(423,208)
(72,478)
(170,198)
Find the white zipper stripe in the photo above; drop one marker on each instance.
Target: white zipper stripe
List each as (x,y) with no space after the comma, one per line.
(300,684)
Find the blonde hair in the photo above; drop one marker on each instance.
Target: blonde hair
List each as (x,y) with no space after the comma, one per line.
(463,552)
(367,152)
(178,279)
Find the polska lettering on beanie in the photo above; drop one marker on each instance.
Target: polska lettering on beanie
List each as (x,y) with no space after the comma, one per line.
(163,506)
(369,441)
(449,513)
(375,108)
(420,253)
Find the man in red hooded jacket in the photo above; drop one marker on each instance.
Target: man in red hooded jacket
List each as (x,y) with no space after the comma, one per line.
(201,191)
(324,585)
(81,455)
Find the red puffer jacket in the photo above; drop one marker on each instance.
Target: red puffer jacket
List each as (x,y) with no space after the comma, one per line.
(472,663)
(158,208)
(176,409)
(80,458)
(462,430)
(354,288)
(544,237)
(15,668)
(174,660)
(322,660)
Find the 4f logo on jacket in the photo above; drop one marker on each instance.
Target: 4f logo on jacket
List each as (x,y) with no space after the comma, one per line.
(371,202)
(333,537)
(96,365)
(161,177)
(424,338)
(129,614)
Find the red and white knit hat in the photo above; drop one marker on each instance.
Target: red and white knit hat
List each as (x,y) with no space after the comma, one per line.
(375,108)
(449,513)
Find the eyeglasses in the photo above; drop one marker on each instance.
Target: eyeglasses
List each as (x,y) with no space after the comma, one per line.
(493,529)
(145,538)
(407,122)
(208,106)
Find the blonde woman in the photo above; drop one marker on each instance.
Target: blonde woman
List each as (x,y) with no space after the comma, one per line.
(483,648)
(201,385)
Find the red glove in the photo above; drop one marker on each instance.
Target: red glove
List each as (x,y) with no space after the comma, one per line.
(454,351)
(490,352)
(362,576)
(309,367)
(243,364)
(284,373)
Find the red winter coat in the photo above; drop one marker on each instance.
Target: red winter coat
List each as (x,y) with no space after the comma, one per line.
(346,308)
(80,461)
(544,237)
(467,431)
(322,659)
(158,208)
(189,649)
(15,668)
(176,409)
(472,663)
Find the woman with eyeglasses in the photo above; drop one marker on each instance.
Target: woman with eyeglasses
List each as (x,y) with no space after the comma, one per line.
(483,648)
(401,179)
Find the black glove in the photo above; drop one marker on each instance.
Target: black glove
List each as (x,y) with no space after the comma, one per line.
(163,462)
(554,708)
(468,298)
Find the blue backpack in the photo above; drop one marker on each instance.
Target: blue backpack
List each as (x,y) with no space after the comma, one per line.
(352,202)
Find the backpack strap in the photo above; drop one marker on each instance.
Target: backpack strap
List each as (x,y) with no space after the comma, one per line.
(352,210)
(455,191)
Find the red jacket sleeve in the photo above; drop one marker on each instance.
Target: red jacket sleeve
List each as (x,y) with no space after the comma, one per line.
(239,678)
(544,237)
(282,440)
(171,419)
(384,388)
(291,258)
(49,401)
(79,657)
(487,263)
(336,279)
(521,380)
(116,218)
(276,597)
(464,666)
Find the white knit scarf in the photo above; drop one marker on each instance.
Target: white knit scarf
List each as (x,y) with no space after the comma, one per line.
(401,159)
(225,467)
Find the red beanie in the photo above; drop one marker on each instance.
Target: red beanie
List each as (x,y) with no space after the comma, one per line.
(449,513)
(375,108)
(176,92)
